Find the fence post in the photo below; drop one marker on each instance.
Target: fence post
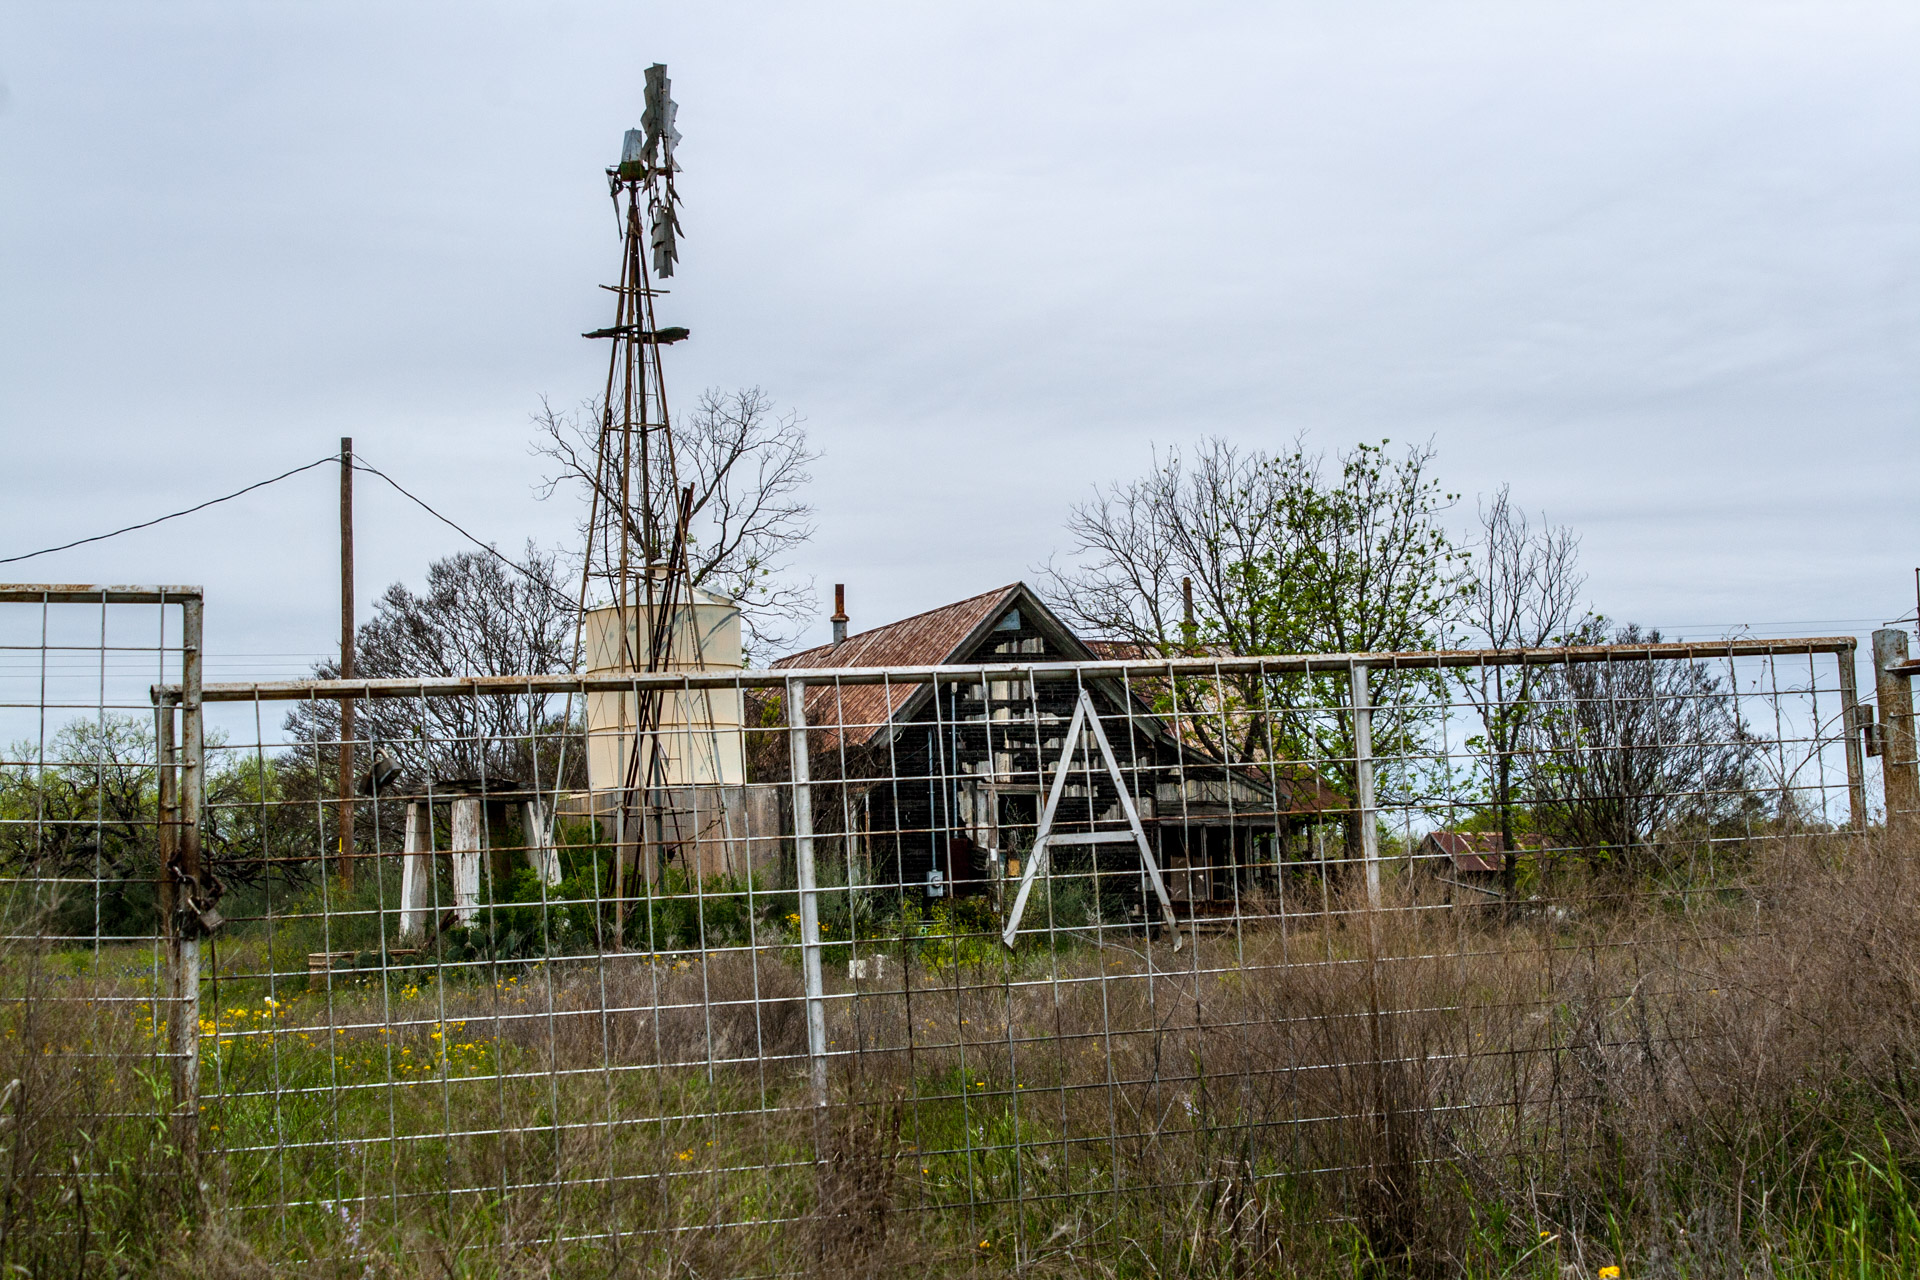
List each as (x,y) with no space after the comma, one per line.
(181,1033)
(1363,782)
(189,782)
(469,834)
(809,886)
(1898,767)
(1856,759)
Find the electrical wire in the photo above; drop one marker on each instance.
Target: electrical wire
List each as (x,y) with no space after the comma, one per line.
(358,465)
(487,547)
(172,515)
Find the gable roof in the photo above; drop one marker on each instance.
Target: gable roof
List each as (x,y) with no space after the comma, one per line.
(855,715)
(923,640)
(937,637)
(1479,850)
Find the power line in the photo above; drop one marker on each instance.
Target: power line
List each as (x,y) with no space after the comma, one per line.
(172,515)
(358,465)
(487,547)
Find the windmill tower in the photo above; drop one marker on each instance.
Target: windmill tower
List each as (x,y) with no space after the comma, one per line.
(648,753)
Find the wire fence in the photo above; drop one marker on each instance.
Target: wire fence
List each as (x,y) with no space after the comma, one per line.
(1020,950)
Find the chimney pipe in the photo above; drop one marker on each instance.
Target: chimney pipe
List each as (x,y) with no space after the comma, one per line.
(839,618)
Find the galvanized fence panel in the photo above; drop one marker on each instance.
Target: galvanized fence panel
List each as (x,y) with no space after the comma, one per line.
(1013,951)
(99,796)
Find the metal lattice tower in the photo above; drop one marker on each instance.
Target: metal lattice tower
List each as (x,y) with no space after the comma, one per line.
(637,532)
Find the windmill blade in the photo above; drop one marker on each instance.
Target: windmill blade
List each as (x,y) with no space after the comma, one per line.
(666,236)
(659,116)
(661,137)
(669,135)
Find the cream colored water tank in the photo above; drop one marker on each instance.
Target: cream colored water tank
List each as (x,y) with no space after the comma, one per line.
(699,740)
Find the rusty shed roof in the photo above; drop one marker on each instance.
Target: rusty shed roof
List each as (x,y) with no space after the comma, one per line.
(1478,850)
(923,640)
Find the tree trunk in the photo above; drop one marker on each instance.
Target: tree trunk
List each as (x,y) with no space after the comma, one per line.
(1503,802)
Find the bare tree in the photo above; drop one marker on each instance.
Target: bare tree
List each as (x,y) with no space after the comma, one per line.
(479,615)
(1197,516)
(747,465)
(1624,758)
(1523,592)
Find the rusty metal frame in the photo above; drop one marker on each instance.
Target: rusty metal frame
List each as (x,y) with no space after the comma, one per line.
(1279,664)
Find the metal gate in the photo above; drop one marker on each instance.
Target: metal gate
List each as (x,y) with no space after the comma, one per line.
(1002,959)
(100,793)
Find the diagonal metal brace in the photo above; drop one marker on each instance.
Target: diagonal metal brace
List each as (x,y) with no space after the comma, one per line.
(1086,717)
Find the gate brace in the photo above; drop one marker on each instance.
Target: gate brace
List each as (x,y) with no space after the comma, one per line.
(1084,716)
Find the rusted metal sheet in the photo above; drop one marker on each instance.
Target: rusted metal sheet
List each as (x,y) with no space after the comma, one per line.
(81,593)
(925,639)
(1287,664)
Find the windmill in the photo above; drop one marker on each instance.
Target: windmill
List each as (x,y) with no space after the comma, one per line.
(636,555)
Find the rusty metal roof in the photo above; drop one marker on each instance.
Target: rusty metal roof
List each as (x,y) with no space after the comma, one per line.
(925,639)
(852,716)
(1478,850)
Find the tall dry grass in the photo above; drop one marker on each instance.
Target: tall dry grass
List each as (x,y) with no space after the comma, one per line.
(89,1171)
(1711,1082)
(1716,1082)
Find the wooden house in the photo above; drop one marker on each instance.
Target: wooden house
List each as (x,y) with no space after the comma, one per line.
(942,784)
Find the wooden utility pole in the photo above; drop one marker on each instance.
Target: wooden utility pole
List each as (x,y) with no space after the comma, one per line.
(343,862)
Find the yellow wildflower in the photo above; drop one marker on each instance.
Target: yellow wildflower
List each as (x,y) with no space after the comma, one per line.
(1609,1273)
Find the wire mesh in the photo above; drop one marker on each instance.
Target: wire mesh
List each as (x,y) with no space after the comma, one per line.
(1011,950)
(93,1019)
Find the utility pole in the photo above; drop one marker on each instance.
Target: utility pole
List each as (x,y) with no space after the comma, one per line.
(343,862)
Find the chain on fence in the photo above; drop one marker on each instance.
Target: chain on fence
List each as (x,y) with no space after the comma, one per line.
(1013,951)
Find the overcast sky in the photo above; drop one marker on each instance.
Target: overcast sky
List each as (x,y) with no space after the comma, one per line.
(1658,266)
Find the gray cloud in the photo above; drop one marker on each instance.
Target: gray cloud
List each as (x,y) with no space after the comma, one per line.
(1656,268)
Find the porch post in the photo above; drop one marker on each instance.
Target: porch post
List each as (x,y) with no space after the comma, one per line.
(466,858)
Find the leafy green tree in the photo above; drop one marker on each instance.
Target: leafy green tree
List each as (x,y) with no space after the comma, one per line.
(79,832)
(1282,554)
(77,825)
(1371,569)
